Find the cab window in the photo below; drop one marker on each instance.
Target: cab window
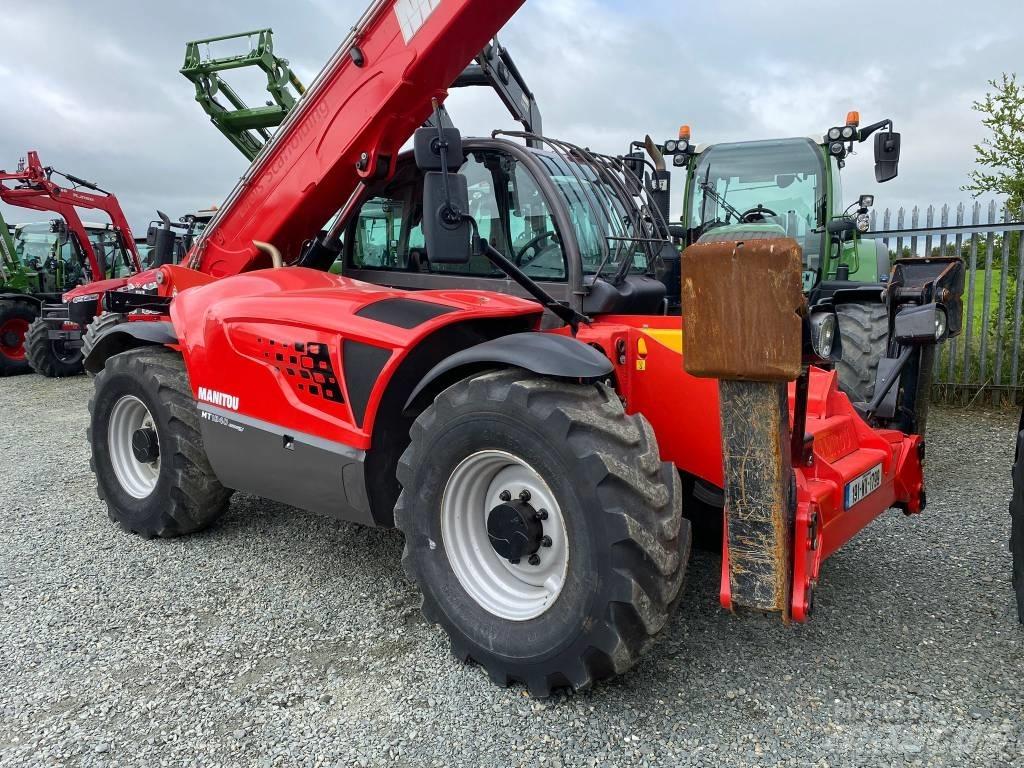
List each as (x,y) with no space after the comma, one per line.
(505,200)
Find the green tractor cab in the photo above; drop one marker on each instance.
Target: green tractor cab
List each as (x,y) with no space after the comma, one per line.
(39,261)
(792,188)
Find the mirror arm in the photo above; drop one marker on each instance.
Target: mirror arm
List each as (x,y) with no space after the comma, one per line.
(866,131)
(563,312)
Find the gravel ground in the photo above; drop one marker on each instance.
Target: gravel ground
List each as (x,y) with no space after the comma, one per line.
(279,638)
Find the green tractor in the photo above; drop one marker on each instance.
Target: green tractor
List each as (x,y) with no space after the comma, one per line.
(792,188)
(38,262)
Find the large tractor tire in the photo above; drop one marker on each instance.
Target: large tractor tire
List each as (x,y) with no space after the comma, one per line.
(97,328)
(48,357)
(147,452)
(542,527)
(864,329)
(1017,525)
(15,319)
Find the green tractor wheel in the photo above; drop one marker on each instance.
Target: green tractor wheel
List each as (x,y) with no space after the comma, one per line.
(15,319)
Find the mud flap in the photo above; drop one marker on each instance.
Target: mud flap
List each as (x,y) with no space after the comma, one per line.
(742,306)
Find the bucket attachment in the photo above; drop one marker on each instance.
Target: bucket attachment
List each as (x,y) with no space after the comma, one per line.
(742,318)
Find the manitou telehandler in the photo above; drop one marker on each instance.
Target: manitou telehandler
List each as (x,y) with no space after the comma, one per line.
(498,375)
(52,342)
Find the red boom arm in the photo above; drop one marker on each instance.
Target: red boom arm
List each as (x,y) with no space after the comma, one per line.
(349,126)
(35,190)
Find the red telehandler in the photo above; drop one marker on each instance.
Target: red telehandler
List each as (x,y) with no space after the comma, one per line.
(53,341)
(496,372)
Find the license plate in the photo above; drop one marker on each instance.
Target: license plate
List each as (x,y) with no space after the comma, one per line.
(860,487)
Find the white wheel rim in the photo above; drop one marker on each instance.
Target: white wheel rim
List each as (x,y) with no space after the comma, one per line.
(137,478)
(517,592)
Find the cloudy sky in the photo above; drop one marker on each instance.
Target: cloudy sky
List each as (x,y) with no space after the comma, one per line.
(94,86)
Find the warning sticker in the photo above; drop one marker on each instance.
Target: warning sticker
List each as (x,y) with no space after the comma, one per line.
(412,13)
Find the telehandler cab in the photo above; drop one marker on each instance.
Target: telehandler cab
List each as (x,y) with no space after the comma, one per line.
(497,375)
(51,342)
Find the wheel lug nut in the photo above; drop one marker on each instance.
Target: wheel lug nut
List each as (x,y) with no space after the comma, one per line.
(535,559)
(524,495)
(542,514)
(546,541)
(505,496)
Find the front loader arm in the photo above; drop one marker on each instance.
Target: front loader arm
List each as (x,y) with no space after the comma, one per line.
(37,191)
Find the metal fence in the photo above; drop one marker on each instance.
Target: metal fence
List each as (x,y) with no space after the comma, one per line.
(983,364)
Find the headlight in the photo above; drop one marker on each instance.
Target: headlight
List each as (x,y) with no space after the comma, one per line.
(834,134)
(863,222)
(941,323)
(836,148)
(848,132)
(679,160)
(826,336)
(671,146)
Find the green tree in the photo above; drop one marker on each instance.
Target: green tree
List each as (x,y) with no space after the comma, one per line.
(1001,155)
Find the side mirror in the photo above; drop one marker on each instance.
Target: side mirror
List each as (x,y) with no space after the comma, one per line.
(887,156)
(59,228)
(447,238)
(426,147)
(634,163)
(841,226)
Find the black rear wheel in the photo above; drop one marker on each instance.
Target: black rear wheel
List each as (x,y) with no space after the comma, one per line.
(15,319)
(54,358)
(1017,525)
(147,452)
(542,528)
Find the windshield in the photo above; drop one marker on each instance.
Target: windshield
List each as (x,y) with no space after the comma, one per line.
(35,246)
(606,229)
(784,176)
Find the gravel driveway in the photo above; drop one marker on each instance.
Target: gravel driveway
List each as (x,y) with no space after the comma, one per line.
(278,638)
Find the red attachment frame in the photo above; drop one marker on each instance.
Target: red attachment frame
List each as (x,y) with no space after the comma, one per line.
(35,190)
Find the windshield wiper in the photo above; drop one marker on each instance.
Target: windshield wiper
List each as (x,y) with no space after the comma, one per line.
(729,209)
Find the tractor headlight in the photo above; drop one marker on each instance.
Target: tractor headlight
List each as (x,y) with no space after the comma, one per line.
(836,148)
(822,333)
(678,160)
(826,336)
(671,146)
(834,134)
(924,324)
(863,222)
(848,132)
(941,323)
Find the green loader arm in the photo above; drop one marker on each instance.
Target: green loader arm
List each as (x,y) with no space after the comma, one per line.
(248,128)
